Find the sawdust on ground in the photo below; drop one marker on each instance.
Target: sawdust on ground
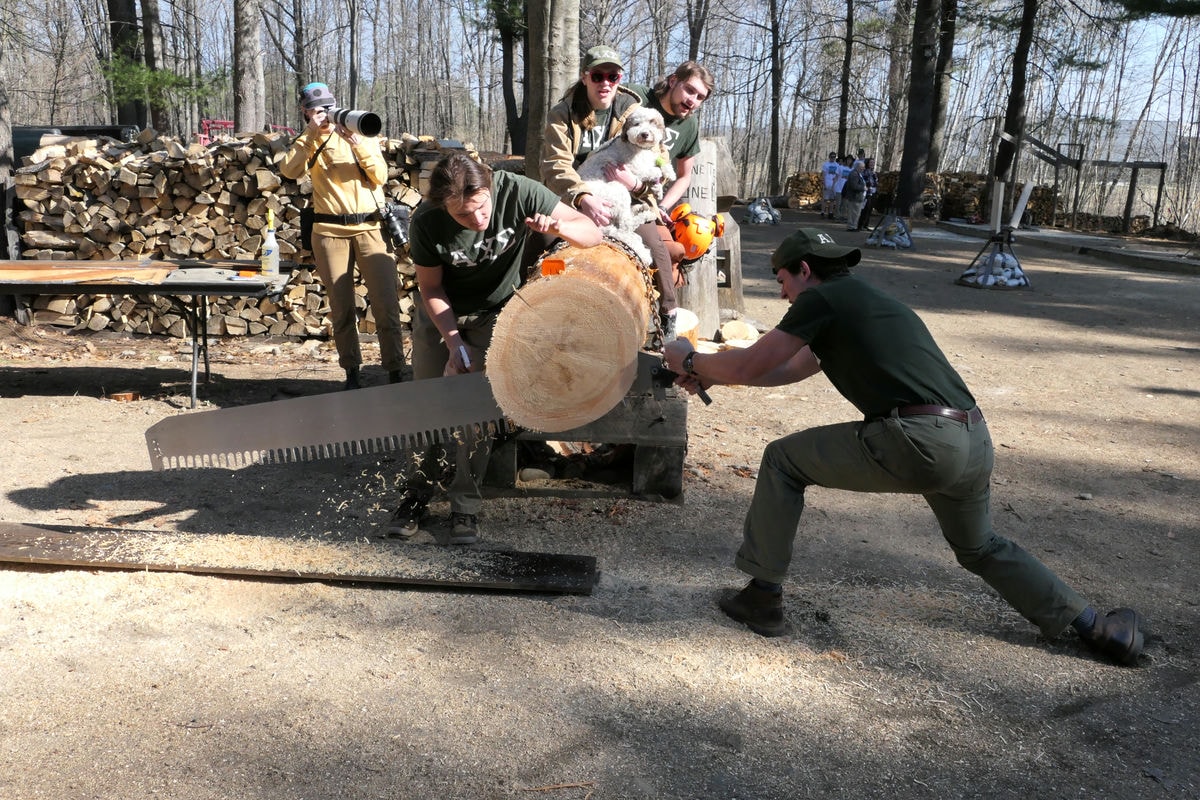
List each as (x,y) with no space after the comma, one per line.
(905,677)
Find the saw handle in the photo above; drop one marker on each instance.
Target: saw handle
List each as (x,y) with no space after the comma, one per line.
(664,377)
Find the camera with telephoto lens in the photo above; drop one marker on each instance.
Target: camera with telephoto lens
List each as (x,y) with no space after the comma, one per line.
(395,221)
(366,123)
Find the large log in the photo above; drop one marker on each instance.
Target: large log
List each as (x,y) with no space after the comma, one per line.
(564,350)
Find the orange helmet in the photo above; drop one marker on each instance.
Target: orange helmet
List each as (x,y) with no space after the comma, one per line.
(694,232)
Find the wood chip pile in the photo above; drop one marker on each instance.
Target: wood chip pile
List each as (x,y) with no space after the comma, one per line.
(159,198)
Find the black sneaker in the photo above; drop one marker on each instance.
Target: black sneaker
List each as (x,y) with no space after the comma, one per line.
(406,522)
(352,379)
(758,609)
(464,528)
(395,376)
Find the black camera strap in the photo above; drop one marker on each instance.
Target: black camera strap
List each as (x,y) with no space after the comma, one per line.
(398,240)
(313,160)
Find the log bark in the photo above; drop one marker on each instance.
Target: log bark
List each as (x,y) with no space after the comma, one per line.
(564,351)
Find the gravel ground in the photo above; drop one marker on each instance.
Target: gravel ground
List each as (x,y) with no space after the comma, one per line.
(905,676)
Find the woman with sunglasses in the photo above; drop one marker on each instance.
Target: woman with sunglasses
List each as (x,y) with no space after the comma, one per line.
(589,114)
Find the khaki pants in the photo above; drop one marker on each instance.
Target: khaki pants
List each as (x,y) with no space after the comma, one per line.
(947,462)
(472,453)
(335,258)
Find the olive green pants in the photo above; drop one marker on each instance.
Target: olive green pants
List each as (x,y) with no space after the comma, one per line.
(949,463)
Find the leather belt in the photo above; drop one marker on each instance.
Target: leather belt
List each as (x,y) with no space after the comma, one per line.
(974,415)
(347,219)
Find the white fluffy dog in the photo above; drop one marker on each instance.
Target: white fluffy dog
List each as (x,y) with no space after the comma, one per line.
(640,148)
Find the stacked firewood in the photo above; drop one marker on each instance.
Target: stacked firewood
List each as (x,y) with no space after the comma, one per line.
(159,199)
(805,190)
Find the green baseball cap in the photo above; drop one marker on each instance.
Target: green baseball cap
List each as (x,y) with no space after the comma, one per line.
(809,244)
(601,54)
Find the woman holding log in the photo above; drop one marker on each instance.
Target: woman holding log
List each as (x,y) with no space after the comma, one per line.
(347,171)
(470,240)
(589,114)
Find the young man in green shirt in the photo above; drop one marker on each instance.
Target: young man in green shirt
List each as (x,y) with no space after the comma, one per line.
(921,433)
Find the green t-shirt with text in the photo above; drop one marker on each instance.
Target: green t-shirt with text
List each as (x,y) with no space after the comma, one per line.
(480,269)
(683,135)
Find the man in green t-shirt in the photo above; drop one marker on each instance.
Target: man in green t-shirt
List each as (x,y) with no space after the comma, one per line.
(468,241)
(678,98)
(921,433)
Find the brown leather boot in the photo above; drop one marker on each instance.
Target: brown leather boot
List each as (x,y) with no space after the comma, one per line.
(1117,635)
(759,609)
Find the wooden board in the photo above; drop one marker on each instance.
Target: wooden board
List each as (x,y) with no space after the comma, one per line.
(307,559)
(81,275)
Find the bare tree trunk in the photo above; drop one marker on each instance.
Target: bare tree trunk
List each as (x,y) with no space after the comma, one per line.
(920,107)
(661,18)
(511,17)
(899,46)
(844,101)
(774,181)
(185,52)
(123,31)
(160,112)
(697,18)
(249,100)
(299,61)
(1014,113)
(8,232)
(553,56)
(941,85)
(352,9)
(564,50)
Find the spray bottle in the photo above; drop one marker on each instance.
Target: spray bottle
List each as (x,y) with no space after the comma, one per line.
(270,248)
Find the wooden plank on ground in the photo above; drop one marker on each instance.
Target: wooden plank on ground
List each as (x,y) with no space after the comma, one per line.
(309,559)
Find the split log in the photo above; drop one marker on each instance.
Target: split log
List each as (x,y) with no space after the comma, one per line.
(564,351)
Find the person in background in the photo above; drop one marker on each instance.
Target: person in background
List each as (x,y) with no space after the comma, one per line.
(592,112)
(854,193)
(839,183)
(348,173)
(469,240)
(678,98)
(871,179)
(921,433)
(829,176)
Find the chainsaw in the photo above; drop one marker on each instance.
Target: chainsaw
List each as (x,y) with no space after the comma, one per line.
(396,417)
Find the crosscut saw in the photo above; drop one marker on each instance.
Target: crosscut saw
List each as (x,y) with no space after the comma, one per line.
(377,419)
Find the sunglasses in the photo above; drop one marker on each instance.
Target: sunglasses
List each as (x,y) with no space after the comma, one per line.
(600,77)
